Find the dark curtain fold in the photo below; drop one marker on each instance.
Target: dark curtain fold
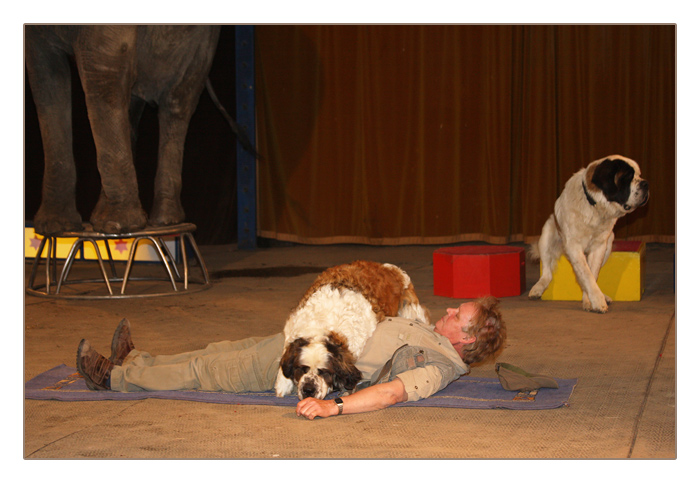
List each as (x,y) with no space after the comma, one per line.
(441,134)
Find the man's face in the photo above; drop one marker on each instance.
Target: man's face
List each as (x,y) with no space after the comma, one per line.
(451,325)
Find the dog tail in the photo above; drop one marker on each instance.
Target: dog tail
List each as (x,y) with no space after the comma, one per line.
(415,312)
(409,305)
(533,252)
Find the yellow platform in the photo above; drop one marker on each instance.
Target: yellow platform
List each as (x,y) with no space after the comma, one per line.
(621,278)
(119,247)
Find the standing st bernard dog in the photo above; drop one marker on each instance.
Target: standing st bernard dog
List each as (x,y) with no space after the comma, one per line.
(582,224)
(328,329)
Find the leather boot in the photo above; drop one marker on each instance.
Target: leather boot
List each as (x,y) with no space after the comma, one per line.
(121,343)
(94,367)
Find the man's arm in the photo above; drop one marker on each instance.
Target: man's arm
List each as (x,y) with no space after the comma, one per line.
(368,399)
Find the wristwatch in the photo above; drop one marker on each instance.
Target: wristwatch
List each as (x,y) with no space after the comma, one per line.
(339,403)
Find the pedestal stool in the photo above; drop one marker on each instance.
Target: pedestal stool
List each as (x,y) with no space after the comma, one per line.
(621,278)
(177,276)
(478,270)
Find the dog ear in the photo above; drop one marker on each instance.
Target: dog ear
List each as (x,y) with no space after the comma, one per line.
(345,374)
(335,342)
(613,177)
(291,355)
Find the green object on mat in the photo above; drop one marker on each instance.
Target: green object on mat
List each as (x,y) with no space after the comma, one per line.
(514,378)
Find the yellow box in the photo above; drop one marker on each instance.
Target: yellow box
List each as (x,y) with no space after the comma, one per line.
(119,247)
(621,278)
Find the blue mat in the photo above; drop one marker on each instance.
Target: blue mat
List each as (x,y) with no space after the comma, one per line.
(63,383)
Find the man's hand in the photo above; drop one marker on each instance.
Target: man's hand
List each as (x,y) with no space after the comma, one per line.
(312,407)
(369,399)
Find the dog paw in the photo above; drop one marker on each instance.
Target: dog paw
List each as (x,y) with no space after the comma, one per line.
(281,392)
(536,291)
(283,386)
(596,310)
(600,307)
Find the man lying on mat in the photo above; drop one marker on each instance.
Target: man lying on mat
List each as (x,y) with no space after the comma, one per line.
(424,359)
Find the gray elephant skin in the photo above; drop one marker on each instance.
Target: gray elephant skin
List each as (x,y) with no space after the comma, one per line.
(121,68)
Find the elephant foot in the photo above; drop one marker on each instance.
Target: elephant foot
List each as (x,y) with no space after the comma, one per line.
(166,213)
(51,221)
(110,217)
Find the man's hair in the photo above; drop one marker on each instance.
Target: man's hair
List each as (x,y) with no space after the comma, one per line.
(489,330)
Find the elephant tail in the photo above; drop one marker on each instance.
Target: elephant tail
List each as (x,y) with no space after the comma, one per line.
(235,127)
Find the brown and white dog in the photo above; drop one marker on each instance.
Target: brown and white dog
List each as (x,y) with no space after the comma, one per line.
(328,329)
(582,224)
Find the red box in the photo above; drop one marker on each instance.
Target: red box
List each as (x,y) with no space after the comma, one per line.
(475,271)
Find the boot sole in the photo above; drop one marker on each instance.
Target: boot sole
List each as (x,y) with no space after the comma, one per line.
(88,382)
(115,342)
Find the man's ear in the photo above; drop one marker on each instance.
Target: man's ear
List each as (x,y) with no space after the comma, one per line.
(467,344)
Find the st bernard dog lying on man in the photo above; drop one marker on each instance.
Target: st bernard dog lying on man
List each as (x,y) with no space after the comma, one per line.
(582,224)
(328,329)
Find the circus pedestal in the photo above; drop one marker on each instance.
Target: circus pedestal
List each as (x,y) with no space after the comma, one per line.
(166,247)
(621,278)
(475,271)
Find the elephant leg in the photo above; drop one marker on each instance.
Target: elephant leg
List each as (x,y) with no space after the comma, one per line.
(179,61)
(106,63)
(135,112)
(50,79)
(167,208)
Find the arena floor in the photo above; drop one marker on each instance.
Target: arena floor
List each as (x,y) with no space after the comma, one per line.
(624,405)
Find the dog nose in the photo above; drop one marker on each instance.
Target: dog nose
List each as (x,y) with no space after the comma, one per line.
(308,390)
(644,187)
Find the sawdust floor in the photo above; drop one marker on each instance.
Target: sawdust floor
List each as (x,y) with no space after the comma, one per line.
(624,405)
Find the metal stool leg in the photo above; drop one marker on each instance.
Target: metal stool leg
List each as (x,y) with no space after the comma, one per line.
(170,257)
(132,255)
(111,260)
(129,262)
(35,265)
(51,244)
(205,274)
(69,263)
(54,258)
(185,264)
(165,262)
(102,265)
(71,258)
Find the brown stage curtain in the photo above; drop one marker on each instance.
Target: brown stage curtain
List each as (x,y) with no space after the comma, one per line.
(438,134)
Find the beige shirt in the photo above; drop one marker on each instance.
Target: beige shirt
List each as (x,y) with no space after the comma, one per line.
(421,382)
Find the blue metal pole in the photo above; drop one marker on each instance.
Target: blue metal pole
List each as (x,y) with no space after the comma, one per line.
(246,174)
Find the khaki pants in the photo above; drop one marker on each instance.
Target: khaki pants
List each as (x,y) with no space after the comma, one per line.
(240,366)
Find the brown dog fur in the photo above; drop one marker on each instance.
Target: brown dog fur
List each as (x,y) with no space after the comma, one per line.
(381,285)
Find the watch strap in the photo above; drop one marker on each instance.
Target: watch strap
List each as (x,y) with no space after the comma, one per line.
(339,403)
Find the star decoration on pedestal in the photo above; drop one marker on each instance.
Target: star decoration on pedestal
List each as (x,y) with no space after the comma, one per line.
(120,245)
(35,242)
